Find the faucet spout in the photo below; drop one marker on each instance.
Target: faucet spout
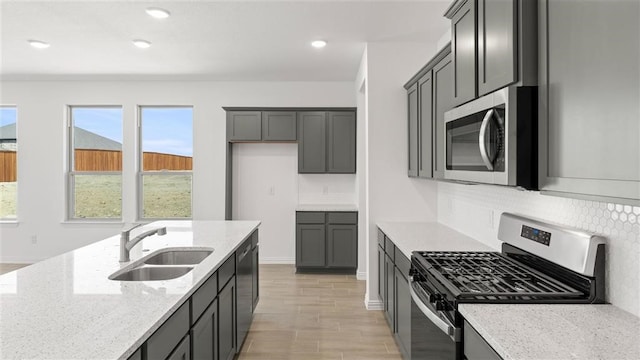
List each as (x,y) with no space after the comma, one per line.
(126,245)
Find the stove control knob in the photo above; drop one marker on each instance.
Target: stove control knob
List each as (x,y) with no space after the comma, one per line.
(434,298)
(441,305)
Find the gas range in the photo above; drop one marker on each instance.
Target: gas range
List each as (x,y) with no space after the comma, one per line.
(539,263)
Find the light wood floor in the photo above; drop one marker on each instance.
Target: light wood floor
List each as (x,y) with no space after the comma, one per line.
(5,268)
(315,317)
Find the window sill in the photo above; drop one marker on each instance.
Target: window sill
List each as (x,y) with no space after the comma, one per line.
(93,222)
(9,223)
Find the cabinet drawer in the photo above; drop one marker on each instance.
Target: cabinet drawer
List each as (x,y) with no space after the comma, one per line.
(307,217)
(226,271)
(165,339)
(381,239)
(475,347)
(402,263)
(204,296)
(389,248)
(342,218)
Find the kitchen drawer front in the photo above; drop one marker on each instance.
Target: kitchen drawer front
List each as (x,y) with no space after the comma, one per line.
(204,296)
(226,271)
(381,239)
(165,339)
(307,217)
(350,218)
(475,347)
(389,248)
(402,263)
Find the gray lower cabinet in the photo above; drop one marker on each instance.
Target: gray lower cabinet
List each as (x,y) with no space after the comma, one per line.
(227,321)
(183,351)
(204,335)
(136,355)
(279,126)
(326,240)
(326,142)
(382,279)
(244,125)
(588,106)
(463,45)
(475,347)
(403,313)
(412,112)
(442,102)
(389,274)
(162,343)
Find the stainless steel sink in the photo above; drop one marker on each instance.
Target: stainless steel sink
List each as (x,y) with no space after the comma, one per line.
(152,273)
(178,257)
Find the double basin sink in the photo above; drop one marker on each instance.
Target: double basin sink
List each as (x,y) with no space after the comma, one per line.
(164,264)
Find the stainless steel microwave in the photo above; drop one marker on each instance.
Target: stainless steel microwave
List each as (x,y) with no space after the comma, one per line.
(494,139)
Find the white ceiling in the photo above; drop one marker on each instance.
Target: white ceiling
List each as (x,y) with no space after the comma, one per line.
(217,40)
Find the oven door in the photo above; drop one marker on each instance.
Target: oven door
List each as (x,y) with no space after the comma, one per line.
(477,142)
(433,335)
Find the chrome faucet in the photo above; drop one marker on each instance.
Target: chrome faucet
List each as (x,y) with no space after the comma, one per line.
(126,244)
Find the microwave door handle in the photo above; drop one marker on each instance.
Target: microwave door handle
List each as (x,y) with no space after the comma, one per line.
(482,137)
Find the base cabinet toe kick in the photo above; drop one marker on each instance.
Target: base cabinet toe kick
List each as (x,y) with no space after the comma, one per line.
(213,323)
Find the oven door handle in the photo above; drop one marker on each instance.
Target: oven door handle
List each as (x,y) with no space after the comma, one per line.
(442,324)
(482,138)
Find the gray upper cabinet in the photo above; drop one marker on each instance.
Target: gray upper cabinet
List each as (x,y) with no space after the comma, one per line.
(327,142)
(589,91)
(425,125)
(244,125)
(341,144)
(497,56)
(463,45)
(279,126)
(312,142)
(442,102)
(412,111)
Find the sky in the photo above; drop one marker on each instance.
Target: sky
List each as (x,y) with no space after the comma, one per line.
(7,115)
(167,130)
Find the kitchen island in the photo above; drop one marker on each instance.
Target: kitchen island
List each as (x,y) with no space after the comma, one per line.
(66,307)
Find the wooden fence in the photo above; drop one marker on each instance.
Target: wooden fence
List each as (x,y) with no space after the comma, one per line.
(103,160)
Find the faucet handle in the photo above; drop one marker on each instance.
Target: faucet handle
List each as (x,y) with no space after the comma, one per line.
(127,229)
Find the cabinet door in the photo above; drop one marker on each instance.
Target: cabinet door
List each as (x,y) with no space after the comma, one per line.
(279,126)
(312,135)
(403,313)
(255,255)
(183,351)
(310,245)
(412,114)
(244,126)
(161,344)
(382,279)
(136,355)
(227,321)
(341,142)
(425,125)
(463,44)
(497,46)
(475,347)
(204,335)
(442,102)
(342,246)
(389,274)
(589,91)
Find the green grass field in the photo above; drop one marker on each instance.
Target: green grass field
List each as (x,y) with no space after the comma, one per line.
(99,196)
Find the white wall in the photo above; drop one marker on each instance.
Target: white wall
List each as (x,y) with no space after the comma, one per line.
(392,196)
(475,210)
(41,131)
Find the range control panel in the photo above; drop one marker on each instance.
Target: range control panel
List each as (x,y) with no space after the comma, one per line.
(536,235)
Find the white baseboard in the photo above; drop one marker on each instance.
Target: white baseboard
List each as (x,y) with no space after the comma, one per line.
(374,305)
(277,260)
(361,275)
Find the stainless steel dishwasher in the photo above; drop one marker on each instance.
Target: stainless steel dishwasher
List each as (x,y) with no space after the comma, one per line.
(245,290)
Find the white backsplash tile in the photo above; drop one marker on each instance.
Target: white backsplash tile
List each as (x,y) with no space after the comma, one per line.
(475,211)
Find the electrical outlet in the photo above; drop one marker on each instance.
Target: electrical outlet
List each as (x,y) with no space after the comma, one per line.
(490,219)
(34,239)
(272,190)
(325,190)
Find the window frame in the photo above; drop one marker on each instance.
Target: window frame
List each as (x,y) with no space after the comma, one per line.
(140,173)
(15,218)
(72,173)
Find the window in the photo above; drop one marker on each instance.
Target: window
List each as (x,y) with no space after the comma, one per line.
(166,143)
(95,164)
(8,163)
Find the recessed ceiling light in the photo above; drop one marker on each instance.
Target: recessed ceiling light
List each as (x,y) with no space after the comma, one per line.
(142,44)
(158,13)
(319,44)
(38,44)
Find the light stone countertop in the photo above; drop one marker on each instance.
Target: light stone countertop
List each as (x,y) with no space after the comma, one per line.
(66,307)
(428,236)
(556,331)
(327,207)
